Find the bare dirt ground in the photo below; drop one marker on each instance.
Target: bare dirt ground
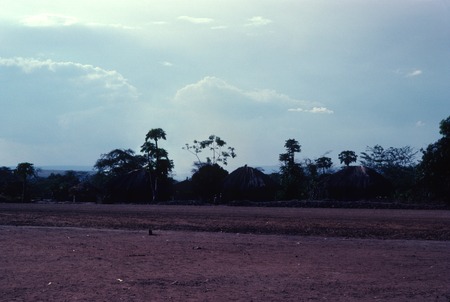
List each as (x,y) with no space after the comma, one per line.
(88,252)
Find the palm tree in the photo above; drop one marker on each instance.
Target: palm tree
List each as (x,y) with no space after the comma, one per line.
(158,162)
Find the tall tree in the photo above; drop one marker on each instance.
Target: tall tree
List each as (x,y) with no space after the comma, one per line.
(24,171)
(434,168)
(292,174)
(158,163)
(347,157)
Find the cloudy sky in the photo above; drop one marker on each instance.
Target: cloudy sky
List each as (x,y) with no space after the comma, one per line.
(81,78)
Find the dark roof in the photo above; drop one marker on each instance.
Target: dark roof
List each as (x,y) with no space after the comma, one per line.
(248,183)
(356,182)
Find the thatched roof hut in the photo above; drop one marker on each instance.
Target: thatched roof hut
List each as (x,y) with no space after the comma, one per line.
(133,186)
(355,183)
(246,183)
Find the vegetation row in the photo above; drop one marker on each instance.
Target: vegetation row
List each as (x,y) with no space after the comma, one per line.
(394,174)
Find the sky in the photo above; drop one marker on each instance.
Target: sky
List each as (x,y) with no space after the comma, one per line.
(81,78)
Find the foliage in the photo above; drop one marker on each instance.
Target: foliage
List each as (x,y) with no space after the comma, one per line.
(347,157)
(396,164)
(24,171)
(428,179)
(157,159)
(158,163)
(118,162)
(434,170)
(324,163)
(292,176)
(214,144)
(10,186)
(381,159)
(61,184)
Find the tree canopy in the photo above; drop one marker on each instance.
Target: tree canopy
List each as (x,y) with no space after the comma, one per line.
(292,174)
(217,146)
(24,171)
(118,162)
(427,178)
(324,163)
(434,169)
(347,157)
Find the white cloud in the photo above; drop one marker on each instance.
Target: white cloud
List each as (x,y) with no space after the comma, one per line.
(414,73)
(220,97)
(55,20)
(420,124)
(313,110)
(112,25)
(81,73)
(409,73)
(166,63)
(48,20)
(258,21)
(195,20)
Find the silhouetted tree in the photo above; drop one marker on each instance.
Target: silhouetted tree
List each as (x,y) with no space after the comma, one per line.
(347,157)
(158,163)
(60,185)
(324,163)
(10,188)
(434,169)
(112,166)
(118,162)
(214,144)
(381,159)
(24,171)
(396,164)
(292,174)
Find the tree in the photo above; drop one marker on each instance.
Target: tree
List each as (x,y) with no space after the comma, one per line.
(381,159)
(158,163)
(324,163)
(292,174)
(396,164)
(114,165)
(9,188)
(434,169)
(118,162)
(292,146)
(374,157)
(347,157)
(24,171)
(60,184)
(219,153)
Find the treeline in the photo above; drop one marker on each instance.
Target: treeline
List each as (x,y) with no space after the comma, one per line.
(125,176)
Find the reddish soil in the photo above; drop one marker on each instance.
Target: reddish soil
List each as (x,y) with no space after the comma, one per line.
(87,252)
